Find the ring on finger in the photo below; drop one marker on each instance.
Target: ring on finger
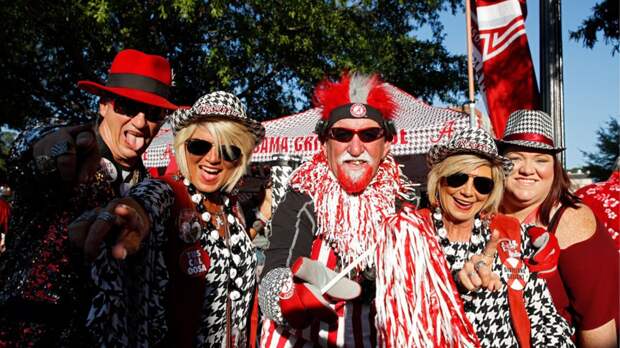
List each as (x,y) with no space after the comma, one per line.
(490,255)
(479,264)
(471,274)
(106,216)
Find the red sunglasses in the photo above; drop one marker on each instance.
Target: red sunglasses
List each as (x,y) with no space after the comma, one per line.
(344,135)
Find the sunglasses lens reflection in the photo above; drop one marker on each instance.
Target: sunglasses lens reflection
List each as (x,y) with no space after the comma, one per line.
(231,153)
(132,108)
(370,134)
(457,180)
(199,147)
(345,135)
(342,135)
(482,184)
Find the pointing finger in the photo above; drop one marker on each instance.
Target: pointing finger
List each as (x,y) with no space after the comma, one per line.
(98,231)
(491,248)
(133,233)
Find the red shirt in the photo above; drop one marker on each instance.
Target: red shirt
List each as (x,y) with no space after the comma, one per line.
(604,200)
(585,288)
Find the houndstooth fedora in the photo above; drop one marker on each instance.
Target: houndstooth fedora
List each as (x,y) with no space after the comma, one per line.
(216,106)
(469,141)
(531,129)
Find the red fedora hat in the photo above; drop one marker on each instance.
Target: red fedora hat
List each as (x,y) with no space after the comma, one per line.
(142,77)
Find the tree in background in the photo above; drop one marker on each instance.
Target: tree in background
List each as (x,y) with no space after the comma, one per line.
(604,18)
(269,52)
(601,162)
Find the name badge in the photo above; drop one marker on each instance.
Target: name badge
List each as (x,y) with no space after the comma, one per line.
(194,262)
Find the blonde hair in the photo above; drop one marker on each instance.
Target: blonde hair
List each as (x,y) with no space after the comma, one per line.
(465,163)
(224,132)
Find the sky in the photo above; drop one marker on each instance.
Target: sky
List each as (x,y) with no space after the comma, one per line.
(591,76)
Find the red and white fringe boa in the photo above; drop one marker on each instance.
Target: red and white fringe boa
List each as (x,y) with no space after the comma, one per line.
(349,220)
(417,301)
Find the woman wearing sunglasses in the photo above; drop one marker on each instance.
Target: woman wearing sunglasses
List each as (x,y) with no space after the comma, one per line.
(196,268)
(585,284)
(508,306)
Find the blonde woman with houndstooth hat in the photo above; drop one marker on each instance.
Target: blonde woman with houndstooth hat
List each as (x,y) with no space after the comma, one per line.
(202,269)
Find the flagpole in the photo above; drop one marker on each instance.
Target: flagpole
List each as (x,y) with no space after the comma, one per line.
(470,66)
(551,68)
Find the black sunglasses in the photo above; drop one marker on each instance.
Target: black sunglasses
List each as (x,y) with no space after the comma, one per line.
(132,108)
(201,147)
(482,184)
(345,135)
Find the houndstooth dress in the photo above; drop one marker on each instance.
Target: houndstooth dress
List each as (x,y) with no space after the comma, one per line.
(118,320)
(489,311)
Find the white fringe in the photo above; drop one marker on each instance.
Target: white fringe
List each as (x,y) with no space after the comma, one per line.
(417,304)
(351,221)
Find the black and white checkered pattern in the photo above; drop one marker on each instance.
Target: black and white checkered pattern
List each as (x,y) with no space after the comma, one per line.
(470,140)
(270,287)
(534,122)
(281,169)
(418,125)
(117,320)
(489,311)
(216,105)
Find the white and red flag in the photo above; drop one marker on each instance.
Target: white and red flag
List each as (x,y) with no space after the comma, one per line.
(502,59)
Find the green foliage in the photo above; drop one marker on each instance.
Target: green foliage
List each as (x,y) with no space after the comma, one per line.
(602,162)
(605,18)
(269,52)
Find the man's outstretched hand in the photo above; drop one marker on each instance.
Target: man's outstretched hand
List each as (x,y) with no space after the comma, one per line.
(71,152)
(123,216)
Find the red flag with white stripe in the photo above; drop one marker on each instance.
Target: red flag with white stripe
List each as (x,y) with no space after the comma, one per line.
(502,59)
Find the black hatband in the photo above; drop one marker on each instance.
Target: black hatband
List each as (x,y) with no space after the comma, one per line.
(139,82)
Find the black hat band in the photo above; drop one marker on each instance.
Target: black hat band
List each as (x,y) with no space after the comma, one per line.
(139,82)
(355,110)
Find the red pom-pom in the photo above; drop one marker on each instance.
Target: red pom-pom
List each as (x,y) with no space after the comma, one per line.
(329,95)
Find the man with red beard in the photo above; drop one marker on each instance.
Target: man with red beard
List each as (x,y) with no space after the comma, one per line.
(58,172)
(327,221)
(347,212)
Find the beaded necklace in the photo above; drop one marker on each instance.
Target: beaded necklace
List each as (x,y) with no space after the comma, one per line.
(210,236)
(475,240)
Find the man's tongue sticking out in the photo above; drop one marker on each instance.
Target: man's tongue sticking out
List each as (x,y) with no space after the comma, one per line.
(135,142)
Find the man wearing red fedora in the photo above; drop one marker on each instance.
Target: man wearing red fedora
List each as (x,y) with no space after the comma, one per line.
(59,172)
